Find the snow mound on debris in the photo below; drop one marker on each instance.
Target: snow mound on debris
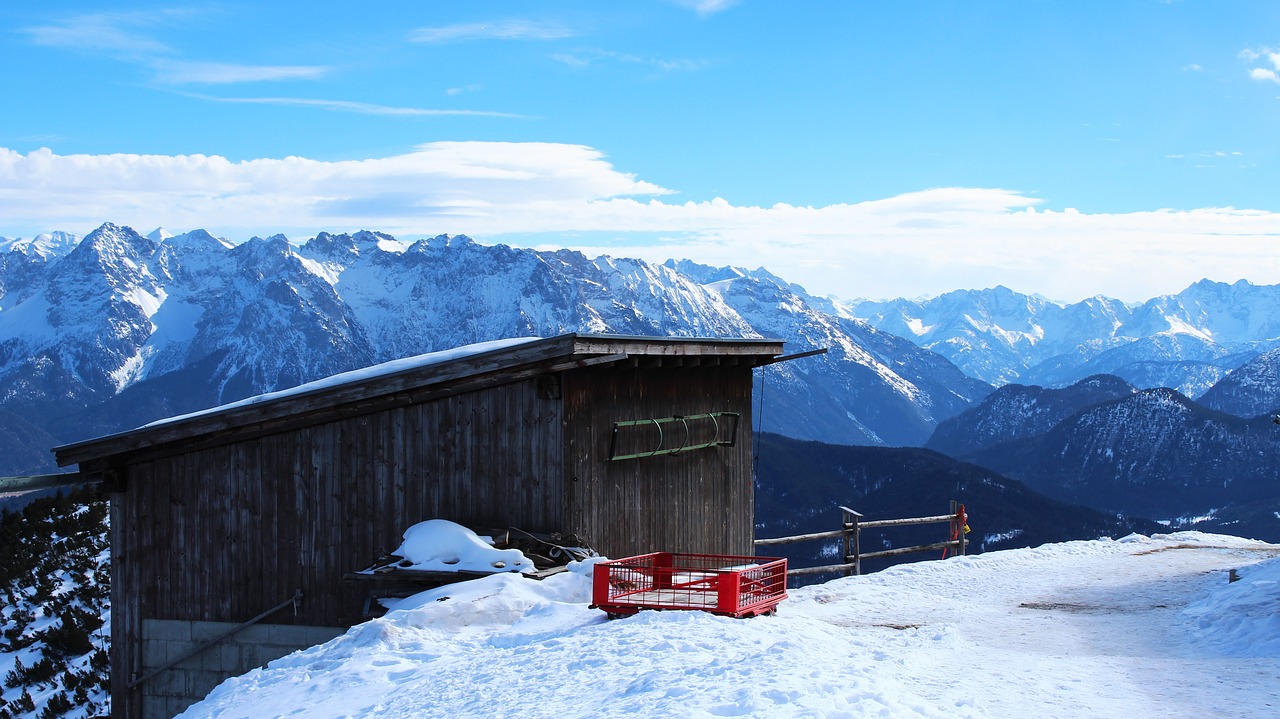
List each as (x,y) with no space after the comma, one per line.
(439,545)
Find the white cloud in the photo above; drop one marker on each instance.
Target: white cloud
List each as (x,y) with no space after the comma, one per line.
(217,73)
(1267,55)
(1262,73)
(588,58)
(410,193)
(363,108)
(571,60)
(707,7)
(498,30)
(549,194)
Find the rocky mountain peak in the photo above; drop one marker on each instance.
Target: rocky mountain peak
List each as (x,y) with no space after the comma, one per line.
(1250,390)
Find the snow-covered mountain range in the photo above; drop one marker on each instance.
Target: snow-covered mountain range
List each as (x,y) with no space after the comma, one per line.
(1152,452)
(117,329)
(1186,341)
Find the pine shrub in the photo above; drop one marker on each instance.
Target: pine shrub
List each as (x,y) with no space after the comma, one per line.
(56,706)
(53,564)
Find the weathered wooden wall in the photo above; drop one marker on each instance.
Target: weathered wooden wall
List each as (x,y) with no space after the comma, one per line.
(697,501)
(223,533)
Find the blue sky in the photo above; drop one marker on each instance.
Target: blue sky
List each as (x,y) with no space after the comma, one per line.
(1125,147)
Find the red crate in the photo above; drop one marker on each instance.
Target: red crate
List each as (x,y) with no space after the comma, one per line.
(716,583)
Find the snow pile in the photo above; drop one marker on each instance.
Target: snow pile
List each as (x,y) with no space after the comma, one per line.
(1080,629)
(1242,618)
(442,546)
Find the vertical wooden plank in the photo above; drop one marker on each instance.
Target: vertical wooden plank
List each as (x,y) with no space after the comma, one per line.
(183,550)
(263,466)
(238,593)
(402,436)
(228,595)
(335,520)
(125,634)
(432,458)
(362,505)
(380,492)
(417,482)
(305,519)
(278,508)
(302,519)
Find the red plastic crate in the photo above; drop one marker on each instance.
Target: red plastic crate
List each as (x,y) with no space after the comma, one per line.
(716,583)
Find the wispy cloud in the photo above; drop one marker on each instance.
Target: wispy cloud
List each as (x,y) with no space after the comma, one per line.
(589,58)
(125,37)
(707,7)
(497,30)
(218,73)
(363,108)
(1215,160)
(544,194)
(115,33)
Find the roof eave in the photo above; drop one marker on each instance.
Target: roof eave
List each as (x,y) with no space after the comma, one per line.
(574,346)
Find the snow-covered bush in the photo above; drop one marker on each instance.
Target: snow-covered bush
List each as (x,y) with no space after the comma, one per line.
(55,620)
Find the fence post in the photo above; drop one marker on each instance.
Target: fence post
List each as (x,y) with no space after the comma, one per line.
(957,530)
(857,547)
(853,535)
(847,539)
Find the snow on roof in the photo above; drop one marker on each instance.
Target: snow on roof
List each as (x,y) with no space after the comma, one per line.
(1137,627)
(378,370)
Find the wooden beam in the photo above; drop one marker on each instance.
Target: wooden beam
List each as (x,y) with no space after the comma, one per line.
(42,481)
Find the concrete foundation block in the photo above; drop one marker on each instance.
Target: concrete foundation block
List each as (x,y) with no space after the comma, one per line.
(199,684)
(167,630)
(170,683)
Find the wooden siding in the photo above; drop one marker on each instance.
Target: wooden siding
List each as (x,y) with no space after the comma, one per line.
(697,501)
(223,533)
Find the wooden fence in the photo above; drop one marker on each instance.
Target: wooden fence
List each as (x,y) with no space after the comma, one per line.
(851,530)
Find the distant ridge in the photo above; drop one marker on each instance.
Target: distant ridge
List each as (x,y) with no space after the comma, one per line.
(1186,341)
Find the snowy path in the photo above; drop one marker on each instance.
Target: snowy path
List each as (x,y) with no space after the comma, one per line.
(1080,630)
(1090,635)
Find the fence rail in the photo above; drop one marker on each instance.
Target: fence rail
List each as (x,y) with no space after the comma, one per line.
(851,530)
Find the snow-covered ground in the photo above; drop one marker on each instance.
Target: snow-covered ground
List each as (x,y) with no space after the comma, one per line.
(1142,627)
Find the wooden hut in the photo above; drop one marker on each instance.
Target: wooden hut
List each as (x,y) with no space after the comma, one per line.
(256,510)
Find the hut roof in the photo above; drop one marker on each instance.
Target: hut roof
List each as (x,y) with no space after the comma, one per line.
(412,380)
